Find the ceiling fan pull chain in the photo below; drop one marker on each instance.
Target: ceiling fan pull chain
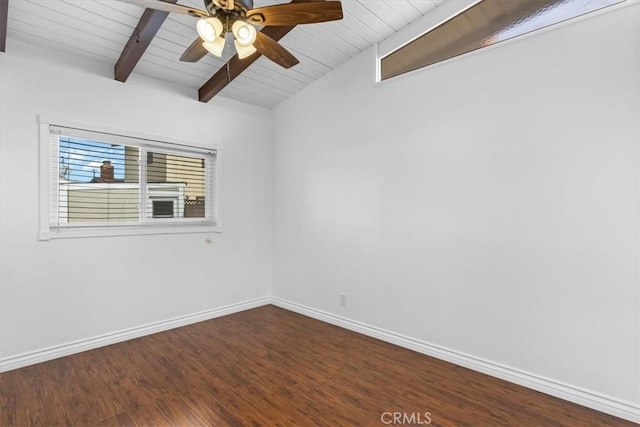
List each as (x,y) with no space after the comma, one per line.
(228,74)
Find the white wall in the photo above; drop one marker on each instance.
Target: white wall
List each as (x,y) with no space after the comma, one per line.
(488,205)
(59,291)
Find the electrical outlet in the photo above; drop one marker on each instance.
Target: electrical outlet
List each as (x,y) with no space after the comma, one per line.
(343,300)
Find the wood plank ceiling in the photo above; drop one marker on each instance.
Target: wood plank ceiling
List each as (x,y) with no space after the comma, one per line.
(99,30)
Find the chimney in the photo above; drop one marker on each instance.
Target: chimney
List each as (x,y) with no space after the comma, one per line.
(106,171)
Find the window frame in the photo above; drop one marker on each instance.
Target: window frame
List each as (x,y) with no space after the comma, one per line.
(211,223)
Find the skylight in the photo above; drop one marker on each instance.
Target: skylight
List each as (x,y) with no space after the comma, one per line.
(485,23)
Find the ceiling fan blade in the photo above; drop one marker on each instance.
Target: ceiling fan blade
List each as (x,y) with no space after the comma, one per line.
(296,13)
(270,48)
(168,7)
(195,52)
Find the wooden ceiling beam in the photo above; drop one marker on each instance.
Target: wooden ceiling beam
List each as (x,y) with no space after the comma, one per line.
(4,14)
(145,31)
(235,66)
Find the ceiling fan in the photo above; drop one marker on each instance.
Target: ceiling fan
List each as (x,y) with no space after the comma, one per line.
(239,18)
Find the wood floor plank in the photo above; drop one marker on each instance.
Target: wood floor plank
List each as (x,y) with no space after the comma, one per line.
(269,367)
(210,410)
(168,410)
(121,419)
(28,395)
(8,410)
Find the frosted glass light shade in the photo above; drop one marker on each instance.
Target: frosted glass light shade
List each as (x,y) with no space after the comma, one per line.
(243,51)
(244,33)
(209,29)
(216,47)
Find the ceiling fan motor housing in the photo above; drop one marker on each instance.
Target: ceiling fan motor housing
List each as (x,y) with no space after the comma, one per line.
(211,7)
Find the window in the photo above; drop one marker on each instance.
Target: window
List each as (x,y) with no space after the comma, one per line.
(485,23)
(104,183)
(163,209)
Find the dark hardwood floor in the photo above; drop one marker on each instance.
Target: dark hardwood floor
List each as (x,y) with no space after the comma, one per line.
(270,367)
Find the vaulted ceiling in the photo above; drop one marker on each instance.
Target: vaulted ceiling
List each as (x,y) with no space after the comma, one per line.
(100,30)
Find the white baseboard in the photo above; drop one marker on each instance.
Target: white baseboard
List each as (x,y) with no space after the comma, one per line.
(50,353)
(627,410)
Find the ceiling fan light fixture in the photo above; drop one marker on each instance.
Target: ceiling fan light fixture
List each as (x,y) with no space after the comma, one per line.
(244,51)
(244,33)
(216,47)
(209,29)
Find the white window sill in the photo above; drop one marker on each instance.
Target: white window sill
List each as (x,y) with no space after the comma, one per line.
(84,232)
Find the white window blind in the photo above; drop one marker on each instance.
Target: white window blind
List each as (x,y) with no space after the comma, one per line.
(100,180)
